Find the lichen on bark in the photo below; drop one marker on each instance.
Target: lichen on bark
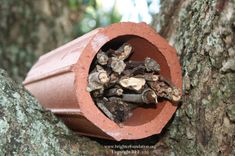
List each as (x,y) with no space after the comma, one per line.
(203,32)
(27,129)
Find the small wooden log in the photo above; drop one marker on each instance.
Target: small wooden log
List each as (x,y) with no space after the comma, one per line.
(123,52)
(148,76)
(148,97)
(176,95)
(117,65)
(135,71)
(151,65)
(119,109)
(114,92)
(105,110)
(102,58)
(97,80)
(98,93)
(132,83)
(133,64)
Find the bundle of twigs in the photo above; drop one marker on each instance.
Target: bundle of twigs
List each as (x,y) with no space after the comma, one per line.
(119,85)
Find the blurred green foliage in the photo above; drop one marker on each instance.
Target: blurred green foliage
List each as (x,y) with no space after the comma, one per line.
(94,15)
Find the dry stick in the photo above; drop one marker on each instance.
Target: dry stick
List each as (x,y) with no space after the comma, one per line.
(114,92)
(151,65)
(133,64)
(105,110)
(134,68)
(176,97)
(98,93)
(114,77)
(102,58)
(134,98)
(135,71)
(158,87)
(118,108)
(132,83)
(148,96)
(123,52)
(163,89)
(161,78)
(148,76)
(110,52)
(175,91)
(97,80)
(117,65)
(117,61)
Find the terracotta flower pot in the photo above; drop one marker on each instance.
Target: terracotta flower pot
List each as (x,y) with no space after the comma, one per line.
(59,81)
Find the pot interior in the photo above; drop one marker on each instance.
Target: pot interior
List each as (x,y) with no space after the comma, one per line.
(142,49)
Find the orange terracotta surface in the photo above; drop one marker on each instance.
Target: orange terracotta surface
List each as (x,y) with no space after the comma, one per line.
(59,81)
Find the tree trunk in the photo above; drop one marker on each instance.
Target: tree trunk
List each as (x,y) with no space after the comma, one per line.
(29,28)
(203,32)
(27,129)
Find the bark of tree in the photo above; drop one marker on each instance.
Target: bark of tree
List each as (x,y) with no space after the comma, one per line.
(27,129)
(30,28)
(203,32)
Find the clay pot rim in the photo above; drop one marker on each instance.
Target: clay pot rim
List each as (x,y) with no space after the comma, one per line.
(88,107)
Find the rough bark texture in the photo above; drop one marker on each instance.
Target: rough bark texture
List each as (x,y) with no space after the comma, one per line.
(27,129)
(203,32)
(30,28)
